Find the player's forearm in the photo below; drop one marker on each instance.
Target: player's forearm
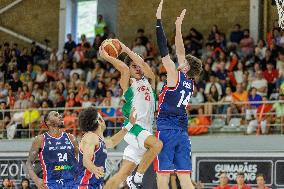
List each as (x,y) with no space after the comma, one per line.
(119,65)
(179,41)
(116,139)
(31,172)
(87,162)
(161,39)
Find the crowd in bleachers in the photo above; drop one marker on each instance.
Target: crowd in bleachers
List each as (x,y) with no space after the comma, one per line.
(237,68)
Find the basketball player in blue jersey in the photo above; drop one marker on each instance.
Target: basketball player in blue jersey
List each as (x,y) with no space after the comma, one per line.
(172,118)
(57,152)
(93,153)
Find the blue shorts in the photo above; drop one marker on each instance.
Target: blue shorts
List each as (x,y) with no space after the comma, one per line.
(89,186)
(176,153)
(63,185)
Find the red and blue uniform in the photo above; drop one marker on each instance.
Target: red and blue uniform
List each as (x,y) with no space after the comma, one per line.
(86,179)
(58,161)
(172,126)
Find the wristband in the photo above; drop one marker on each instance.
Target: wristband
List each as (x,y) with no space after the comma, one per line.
(129,126)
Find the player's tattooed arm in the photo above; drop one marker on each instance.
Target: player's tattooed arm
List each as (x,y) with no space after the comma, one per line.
(89,143)
(120,66)
(33,155)
(180,50)
(75,144)
(117,138)
(172,73)
(140,62)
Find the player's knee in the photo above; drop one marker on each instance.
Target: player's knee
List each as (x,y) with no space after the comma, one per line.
(158,146)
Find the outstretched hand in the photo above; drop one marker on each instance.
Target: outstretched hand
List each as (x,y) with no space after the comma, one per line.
(159,10)
(181,17)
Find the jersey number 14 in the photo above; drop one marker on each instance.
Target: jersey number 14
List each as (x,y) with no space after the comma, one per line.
(183,101)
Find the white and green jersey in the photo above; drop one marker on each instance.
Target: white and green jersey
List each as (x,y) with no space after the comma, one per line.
(141,96)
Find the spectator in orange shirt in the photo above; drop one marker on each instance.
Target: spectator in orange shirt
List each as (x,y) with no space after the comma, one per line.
(223,180)
(260,181)
(240,182)
(239,96)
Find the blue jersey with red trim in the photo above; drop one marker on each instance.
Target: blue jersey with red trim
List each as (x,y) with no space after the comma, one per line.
(173,102)
(86,178)
(57,159)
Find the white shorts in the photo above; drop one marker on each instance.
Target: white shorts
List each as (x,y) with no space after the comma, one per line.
(135,150)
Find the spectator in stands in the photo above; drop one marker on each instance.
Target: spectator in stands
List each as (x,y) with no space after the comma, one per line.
(228,98)
(260,84)
(89,54)
(223,181)
(212,81)
(196,39)
(21,103)
(100,25)
(6,52)
(45,98)
(252,107)
(211,36)
(236,35)
(262,120)
(277,36)
(64,69)
(268,58)
(239,73)
(238,97)
(141,35)
(76,69)
(260,181)
(260,50)
(247,44)
(70,45)
(25,184)
(240,182)
(3,92)
(139,48)
(212,97)
(86,102)
(271,76)
(278,108)
(41,76)
(15,83)
(7,184)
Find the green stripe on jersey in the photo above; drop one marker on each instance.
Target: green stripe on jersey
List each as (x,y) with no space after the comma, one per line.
(128,96)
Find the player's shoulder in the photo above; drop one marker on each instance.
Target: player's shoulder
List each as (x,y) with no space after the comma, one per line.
(38,141)
(90,137)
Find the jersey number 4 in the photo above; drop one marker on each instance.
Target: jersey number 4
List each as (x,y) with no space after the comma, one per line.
(62,157)
(183,101)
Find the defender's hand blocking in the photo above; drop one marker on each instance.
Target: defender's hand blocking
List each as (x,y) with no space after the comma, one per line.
(180,18)
(159,10)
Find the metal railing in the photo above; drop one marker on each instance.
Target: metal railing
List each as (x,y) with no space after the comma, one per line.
(212,117)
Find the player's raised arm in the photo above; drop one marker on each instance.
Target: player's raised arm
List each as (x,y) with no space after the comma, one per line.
(180,50)
(140,62)
(33,154)
(89,143)
(172,74)
(120,66)
(116,139)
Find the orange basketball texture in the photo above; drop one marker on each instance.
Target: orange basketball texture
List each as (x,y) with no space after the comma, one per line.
(112,47)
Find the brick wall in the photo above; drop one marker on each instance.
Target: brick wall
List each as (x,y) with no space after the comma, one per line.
(36,19)
(201,14)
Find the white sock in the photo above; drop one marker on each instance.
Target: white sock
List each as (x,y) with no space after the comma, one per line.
(138,177)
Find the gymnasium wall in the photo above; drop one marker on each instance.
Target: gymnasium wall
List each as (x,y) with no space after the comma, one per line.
(35,19)
(201,14)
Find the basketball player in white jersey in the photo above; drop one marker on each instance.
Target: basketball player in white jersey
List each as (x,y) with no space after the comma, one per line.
(137,81)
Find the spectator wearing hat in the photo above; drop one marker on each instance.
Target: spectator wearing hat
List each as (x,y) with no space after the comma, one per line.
(240,182)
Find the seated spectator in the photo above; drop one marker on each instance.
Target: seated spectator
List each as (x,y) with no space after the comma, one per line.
(271,76)
(260,181)
(223,181)
(16,82)
(108,113)
(227,99)
(268,58)
(25,184)
(100,92)
(45,97)
(64,69)
(141,35)
(239,73)
(4,118)
(238,97)
(196,99)
(3,92)
(262,119)
(76,69)
(247,44)
(260,50)
(237,34)
(21,102)
(211,36)
(7,184)
(31,118)
(97,42)
(260,84)
(70,121)
(70,45)
(212,81)
(196,39)
(240,182)
(212,97)
(139,48)
(278,108)
(41,77)
(252,108)
(86,102)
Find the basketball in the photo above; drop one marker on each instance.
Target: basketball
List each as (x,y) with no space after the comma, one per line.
(112,47)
